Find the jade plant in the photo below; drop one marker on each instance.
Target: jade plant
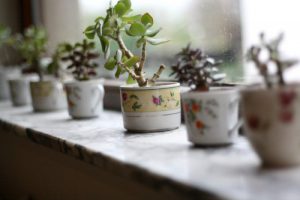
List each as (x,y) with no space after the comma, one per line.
(270,49)
(112,27)
(81,56)
(32,46)
(196,69)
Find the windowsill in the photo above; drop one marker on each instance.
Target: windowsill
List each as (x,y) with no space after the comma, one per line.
(164,159)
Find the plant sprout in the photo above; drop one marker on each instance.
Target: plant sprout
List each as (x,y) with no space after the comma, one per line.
(80,57)
(196,69)
(271,48)
(110,28)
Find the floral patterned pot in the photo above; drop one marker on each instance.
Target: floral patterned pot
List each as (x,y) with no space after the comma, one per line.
(211,118)
(47,96)
(272,124)
(19,91)
(150,109)
(85,98)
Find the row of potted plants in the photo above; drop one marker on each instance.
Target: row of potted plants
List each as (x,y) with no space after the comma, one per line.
(211,113)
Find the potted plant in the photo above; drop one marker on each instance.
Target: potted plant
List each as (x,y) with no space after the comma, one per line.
(271,112)
(211,114)
(47,93)
(85,95)
(5,72)
(148,105)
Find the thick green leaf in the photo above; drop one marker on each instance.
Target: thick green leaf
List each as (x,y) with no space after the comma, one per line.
(120,9)
(104,43)
(89,28)
(132,61)
(110,64)
(132,19)
(107,31)
(140,42)
(127,3)
(147,20)
(137,29)
(152,33)
(118,72)
(130,80)
(99,18)
(90,35)
(155,41)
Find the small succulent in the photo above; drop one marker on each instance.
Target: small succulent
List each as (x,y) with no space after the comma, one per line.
(5,34)
(109,28)
(196,69)
(273,56)
(81,56)
(32,46)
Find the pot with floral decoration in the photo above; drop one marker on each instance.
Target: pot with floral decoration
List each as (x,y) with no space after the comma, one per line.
(148,105)
(211,113)
(85,95)
(47,93)
(272,111)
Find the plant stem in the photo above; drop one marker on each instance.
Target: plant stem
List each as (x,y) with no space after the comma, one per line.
(156,75)
(280,73)
(143,58)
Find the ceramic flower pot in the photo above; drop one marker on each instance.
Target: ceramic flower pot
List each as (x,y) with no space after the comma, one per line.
(272,124)
(85,98)
(47,96)
(5,75)
(19,91)
(211,118)
(150,109)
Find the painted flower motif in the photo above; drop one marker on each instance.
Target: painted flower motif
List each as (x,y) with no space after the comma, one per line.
(286,116)
(195,107)
(286,97)
(199,124)
(253,122)
(124,96)
(157,100)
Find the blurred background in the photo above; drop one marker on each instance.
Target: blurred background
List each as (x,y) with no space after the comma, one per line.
(222,28)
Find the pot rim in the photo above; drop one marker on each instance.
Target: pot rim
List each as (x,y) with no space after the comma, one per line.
(215,91)
(87,82)
(262,89)
(159,85)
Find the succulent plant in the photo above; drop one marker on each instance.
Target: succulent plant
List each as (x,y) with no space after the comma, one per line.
(196,69)
(273,57)
(81,56)
(5,34)
(110,28)
(32,46)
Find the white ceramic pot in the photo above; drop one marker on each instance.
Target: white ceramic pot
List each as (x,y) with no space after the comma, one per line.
(150,109)
(19,92)
(85,98)
(272,124)
(5,75)
(211,117)
(47,96)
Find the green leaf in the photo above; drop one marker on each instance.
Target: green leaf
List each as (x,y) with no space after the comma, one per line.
(107,31)
(130,80)
(132,61)
(152,33)
(137,29)
(155,41)
(110,64)
(118,72)
(90,35)
(140,42)
(127,3)
(104,43)
(132,19)
(147,20)
(120,9)
(89,29)
(99,18)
